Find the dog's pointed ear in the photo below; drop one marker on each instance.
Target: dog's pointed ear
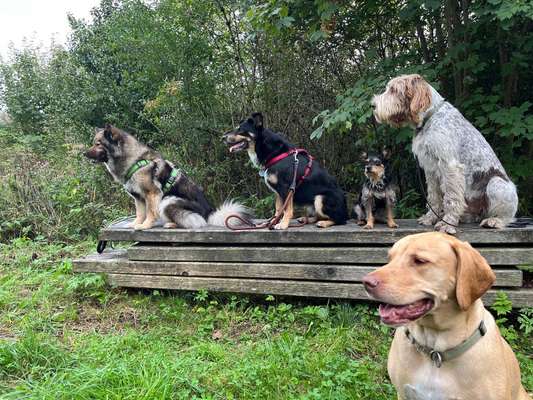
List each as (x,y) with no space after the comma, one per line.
(363,156)
(386,153)
(258,120)
(111,133)
(474,275)
(420,94)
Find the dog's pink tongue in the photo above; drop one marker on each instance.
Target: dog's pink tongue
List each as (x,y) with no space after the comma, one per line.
(398,315)
(236,147)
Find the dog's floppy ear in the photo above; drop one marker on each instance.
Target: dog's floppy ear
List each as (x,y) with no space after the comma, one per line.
(474,275)
(258,120)
(386,153)
(420,95)
(111,133)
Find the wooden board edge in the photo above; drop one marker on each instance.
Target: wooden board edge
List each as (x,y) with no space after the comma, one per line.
(518,297)
(306,238)
(298,272)
(325,255)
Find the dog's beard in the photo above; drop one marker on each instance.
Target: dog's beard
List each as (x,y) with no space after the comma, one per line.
(390,110)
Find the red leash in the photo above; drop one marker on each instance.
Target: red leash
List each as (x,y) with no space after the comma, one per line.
(292,189)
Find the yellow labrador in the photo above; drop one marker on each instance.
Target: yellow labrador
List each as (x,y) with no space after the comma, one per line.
(447,345)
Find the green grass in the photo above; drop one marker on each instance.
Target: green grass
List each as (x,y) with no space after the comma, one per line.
(67,336)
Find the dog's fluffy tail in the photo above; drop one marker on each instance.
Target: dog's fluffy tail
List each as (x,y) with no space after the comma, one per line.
(229,207)
(173,210)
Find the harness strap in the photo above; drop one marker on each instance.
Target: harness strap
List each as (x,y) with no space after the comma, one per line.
(135,167)
(295,152)
(438,357)
(171,179)
(270,162)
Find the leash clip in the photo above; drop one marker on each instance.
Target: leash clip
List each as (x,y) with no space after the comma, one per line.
(436,357)
(482,328)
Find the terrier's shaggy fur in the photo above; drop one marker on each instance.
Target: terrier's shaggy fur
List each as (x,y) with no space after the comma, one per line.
(465,180)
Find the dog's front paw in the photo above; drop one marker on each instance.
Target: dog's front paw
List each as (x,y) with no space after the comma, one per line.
(392,224)
(281,226)
(368,226)
(325,224)
(170,225)
(492,223)
(428,219)
(443,227)
(143,226)
(133,224)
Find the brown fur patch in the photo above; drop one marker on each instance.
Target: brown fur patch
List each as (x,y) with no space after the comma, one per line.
(419,93)
(480,179)
(376,173)
(273,179)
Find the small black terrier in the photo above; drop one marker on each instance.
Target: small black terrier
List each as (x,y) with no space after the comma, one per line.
(378,196)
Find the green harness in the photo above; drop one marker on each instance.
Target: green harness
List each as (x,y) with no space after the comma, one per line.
(143,163)
(135,167)
(171,179)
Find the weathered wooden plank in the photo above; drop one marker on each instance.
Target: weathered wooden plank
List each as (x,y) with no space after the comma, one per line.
(116,262)
(519,297)
(342,235)
(326,255)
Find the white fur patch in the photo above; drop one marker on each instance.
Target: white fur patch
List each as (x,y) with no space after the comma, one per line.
(253,157)
(191,220)
(187,219)
(164,204)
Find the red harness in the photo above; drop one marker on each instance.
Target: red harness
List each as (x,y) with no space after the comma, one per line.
(294,152)
(294,184)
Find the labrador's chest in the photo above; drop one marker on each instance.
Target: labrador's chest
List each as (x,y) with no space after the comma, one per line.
(430,383)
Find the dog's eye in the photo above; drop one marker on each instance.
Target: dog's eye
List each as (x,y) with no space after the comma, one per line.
(420,261)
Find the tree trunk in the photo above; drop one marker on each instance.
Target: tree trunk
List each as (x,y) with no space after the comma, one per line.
(451,11)
(422,39)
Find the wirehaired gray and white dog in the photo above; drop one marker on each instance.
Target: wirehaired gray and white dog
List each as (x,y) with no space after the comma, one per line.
(157,186)
(378,195)
(465,180)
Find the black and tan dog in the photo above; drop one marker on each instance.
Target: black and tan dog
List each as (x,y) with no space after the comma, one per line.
(158,188)
(275,157)
(378,196)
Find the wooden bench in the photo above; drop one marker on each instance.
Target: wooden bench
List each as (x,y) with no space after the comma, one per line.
(305,261)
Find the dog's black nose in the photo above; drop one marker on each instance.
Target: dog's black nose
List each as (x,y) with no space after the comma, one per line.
(370,282)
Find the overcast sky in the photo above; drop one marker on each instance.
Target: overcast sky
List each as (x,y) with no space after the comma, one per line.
(38,20)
